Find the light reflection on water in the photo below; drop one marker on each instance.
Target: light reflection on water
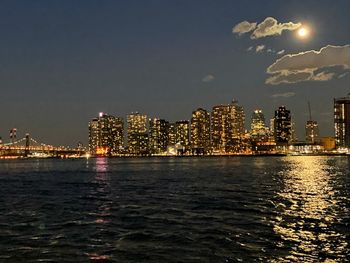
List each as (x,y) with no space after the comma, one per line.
(309,211)
(103,206)
(241,209)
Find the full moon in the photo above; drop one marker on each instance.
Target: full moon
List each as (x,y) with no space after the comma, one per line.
(303,32)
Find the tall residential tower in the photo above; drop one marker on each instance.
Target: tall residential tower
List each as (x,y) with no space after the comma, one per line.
(106,135)
(342,121)
(200,131)
(283,126)
(137,133)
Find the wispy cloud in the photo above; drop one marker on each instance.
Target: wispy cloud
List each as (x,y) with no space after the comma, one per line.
(208,78)
(283,95)
(309,66)
(269,27)
(343,75)
(259,48)
(243,27)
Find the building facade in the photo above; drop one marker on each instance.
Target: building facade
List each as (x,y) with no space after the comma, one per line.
(258,127)
(158,136)
(342,122)
(237,120)
(200,131)
(172,134)
(311,132)
(220,128)
(282,126)
(106,135)
(137,136)
(183,136)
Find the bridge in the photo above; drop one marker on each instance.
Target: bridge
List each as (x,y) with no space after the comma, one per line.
(29,147)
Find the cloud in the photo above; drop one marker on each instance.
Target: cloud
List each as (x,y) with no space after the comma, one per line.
(259,48)
(208,78)
(281,52)
(269,27)
(243,27)
(250,48)
(283,95)
(343,75)
(309,66)
(323,76)
(288,78)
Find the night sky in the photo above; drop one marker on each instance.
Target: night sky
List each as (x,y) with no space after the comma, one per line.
(62,62)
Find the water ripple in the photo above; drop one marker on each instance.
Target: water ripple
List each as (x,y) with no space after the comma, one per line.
(285,209)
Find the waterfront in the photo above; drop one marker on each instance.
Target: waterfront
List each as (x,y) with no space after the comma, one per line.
(225,209)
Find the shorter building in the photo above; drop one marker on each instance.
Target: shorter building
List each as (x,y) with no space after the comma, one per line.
(328,143)
(182,137)
(311,130)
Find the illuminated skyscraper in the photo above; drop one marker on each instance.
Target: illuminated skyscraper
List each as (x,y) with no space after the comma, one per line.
(137,134)
(94,136)
(200,131)
(220,128)
(258,126)
(183,134)
(158,135)
(237,118)
(227,128)
(342,121)
(172,134)
(283,126)
(106,135)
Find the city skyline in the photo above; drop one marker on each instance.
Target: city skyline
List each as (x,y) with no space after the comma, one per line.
(63,62)
(220,131)
(245,126)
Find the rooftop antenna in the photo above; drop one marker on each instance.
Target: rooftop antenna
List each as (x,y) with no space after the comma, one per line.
(309,106)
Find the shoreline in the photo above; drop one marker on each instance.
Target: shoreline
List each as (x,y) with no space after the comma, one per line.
(177,156)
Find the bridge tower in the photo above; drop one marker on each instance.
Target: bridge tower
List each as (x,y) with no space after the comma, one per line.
(13,135)
(26,151)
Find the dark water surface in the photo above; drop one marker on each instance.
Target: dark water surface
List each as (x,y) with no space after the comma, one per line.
(238,209)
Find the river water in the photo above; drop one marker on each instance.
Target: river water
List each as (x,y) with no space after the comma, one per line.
(227,209)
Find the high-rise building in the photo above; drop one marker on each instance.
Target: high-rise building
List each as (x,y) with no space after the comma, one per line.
(220,128)
(258,126)
(237,120)
(183,134)
(311,130)
(200,131)
(158,135)
(137,134)
(106,135)
(172,134)
(342,121)
(282,126)
(227,127)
